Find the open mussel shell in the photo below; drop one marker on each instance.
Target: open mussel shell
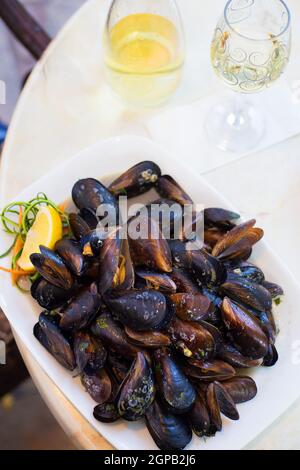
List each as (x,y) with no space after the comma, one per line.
(169,431)
(52,268)
(113,336)
(89,352)
(168,188)
(106,412)
(78,226)
(91,194)
(235,358)
(207,269)
(209,371)
(245,330)
(82,309)
(246,271)
(137,180)
(137,390)
(141,310)
(148,247)
(241,389)
(191,307)
(49,296)
(249,293)
(98,385)
(158,281)
(48,333)
(174,387)
(70,251)
(238,240)
(148,339)
(192,339)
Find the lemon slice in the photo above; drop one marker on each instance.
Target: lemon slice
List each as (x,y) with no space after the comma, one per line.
(46,230)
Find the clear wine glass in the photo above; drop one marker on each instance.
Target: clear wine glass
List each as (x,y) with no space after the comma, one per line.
(144,50)
(249,52)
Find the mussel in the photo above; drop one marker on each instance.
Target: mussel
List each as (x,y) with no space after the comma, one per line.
(91,194)
(49,296)
(169,431)
(168,188)
(191,307)
(137,180)
(245,330)
(235,358)
(271,357)
(70,251)
(198,416)
(82,309)
(274,289)
(216,216)
(238,240)
(137,390)
(148,339)
(52,268)
(89,352)
(207,269)
(106,413)
(98,385)
(148,247)
(175,389)
(184,282)
(246,271)
(113,336)
(48,333)
(158,281)
(209,371)
(79,226)
(192,339)
(249,293)
(241,389)
(141,310)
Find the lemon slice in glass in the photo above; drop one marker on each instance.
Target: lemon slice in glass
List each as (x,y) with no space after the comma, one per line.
(46,230)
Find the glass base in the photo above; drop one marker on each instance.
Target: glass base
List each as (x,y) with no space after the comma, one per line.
(235,126)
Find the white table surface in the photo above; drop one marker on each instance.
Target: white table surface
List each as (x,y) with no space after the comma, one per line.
(67,106)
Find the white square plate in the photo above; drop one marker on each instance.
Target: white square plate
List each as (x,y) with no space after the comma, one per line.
(278,387)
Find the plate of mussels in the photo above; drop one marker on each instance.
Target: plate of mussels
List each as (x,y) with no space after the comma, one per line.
(157,341)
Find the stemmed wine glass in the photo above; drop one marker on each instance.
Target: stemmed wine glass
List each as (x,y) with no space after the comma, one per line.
(144,50)
(250,50)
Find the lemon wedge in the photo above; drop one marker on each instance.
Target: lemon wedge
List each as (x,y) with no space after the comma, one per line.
(46,230)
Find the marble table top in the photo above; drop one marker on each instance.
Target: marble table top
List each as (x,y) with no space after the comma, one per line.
(67,106)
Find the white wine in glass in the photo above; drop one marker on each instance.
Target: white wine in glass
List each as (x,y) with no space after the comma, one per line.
(249,52)
(144,50)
